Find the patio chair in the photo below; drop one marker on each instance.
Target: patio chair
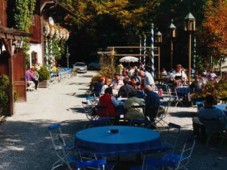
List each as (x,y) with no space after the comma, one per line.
(214,129)
(140,122)
(75,162)
(180,95)
(171,136)
(89,110)
(55,131)
(172,160)
(105,114)
(161,115)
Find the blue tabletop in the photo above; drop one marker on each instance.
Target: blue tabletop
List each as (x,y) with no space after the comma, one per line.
(183,89)
(128,139)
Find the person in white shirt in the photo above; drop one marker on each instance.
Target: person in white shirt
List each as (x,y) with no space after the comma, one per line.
(116,84)
(147,78)
(179,77)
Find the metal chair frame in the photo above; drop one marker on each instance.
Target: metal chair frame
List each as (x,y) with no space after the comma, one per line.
(162,113)
(171,137)
(55,131)
(214,129)
(75,162)
(89,110)
(173,160)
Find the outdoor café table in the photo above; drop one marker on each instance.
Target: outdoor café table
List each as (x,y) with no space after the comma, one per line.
(117,140)
(183,89)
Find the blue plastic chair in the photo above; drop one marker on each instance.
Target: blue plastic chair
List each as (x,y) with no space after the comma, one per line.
(75,161)
(172,160)
(78,164)
(55,131)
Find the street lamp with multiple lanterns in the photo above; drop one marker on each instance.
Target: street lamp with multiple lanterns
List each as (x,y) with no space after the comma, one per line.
(190,27)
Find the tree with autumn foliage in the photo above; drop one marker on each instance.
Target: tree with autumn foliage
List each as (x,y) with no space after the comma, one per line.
(216,28)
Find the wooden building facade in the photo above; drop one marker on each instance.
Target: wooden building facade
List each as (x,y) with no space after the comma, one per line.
(12,58)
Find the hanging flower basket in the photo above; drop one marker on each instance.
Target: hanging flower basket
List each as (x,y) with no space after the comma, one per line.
(57,33)
(52,31)
(46,29)
(61,34)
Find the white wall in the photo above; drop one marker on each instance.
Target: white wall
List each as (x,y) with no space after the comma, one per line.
(38,49)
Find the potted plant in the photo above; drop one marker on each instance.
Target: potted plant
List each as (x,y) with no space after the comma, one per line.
(44,76)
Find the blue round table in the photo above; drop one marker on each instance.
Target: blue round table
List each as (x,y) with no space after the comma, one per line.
(108,140)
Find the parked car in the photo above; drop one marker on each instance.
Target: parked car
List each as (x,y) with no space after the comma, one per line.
(94,66)
(81,67)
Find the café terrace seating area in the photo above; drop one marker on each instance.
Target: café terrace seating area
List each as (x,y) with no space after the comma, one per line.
(103,143)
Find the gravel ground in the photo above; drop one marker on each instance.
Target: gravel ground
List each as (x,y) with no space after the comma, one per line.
(25,142)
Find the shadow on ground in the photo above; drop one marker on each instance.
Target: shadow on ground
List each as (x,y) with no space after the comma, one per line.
(27,145)
(183,114)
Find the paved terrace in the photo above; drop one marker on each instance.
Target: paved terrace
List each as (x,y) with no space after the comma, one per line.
(24,139)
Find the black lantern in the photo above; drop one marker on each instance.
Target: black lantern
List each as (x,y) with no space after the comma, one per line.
(172,28)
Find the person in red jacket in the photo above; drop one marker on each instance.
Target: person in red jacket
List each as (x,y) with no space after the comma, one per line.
(108,100)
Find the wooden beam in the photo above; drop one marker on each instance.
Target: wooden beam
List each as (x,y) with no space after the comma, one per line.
(127,47)
(135,55)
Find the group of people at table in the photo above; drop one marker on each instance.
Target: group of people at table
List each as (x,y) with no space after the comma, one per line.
(137,87)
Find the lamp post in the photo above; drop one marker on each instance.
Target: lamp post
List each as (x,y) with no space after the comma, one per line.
(158,40)
(172,28)
(190,27)
(67,57)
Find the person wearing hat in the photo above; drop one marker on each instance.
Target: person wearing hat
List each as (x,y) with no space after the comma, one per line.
(152,103)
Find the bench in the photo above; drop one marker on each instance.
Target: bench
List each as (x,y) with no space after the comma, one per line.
(30,86)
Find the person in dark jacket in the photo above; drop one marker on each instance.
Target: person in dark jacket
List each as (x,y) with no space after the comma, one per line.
(152,103)
(125,89)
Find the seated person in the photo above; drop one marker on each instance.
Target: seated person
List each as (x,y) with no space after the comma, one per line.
(32,75)
(179,76)
(125,89)
(210,112)
(116,84)
(134,113)
(135,84)
(98,86)
(108,100)
(152,103)
(106,85)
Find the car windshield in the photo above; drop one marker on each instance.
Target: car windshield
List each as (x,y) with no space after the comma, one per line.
(79,64)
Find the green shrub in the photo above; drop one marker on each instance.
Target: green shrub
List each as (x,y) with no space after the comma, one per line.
(4,95)
(44,74)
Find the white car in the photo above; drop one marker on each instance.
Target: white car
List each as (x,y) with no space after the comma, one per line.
(81,67)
